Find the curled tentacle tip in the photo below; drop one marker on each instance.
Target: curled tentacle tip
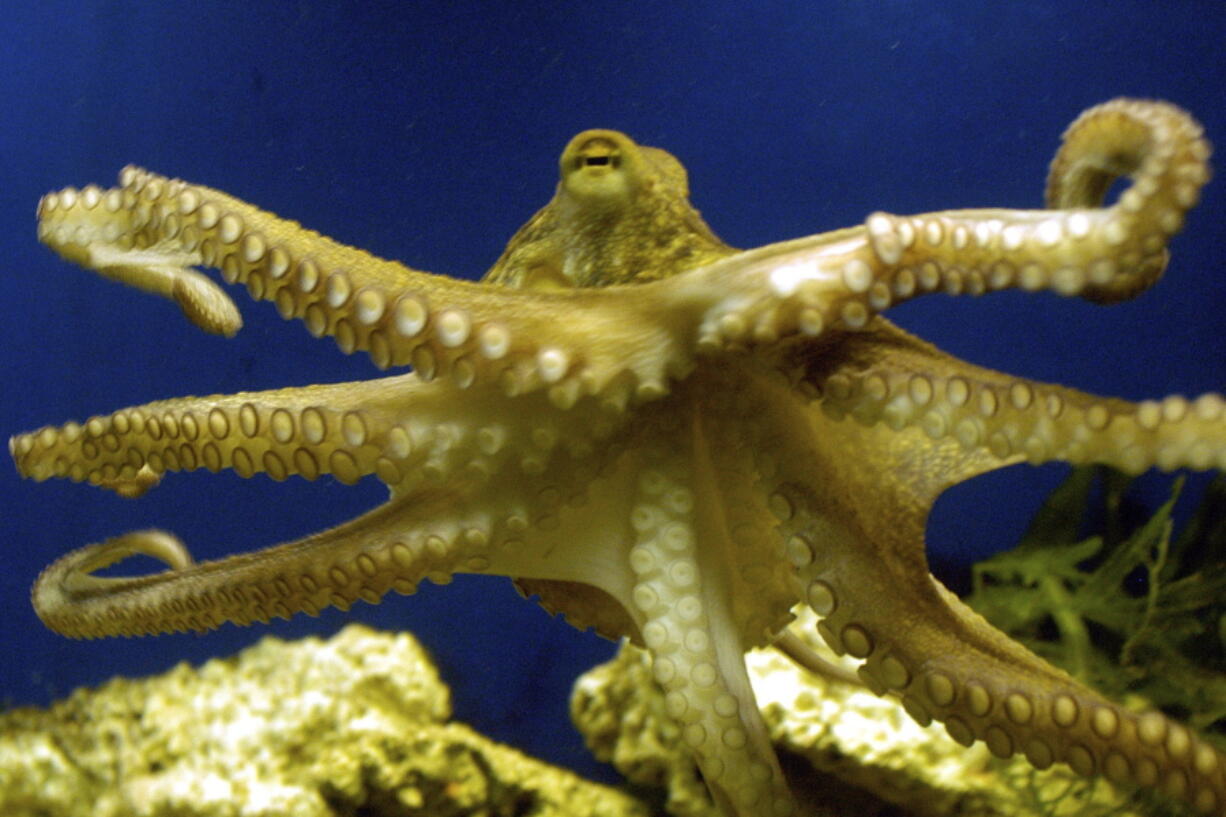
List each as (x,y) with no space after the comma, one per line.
(158,544)
(64,595)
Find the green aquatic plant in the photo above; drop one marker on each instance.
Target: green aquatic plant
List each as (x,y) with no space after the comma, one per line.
(1135,608)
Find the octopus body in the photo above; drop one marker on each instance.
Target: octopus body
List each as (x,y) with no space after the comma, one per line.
(659,436)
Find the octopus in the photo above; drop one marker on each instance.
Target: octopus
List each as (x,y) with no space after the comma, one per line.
(658,436)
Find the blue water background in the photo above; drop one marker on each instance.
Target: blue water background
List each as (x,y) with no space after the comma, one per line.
(429,131)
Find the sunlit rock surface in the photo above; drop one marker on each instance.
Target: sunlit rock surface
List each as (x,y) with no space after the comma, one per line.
(358,724)
(355,725)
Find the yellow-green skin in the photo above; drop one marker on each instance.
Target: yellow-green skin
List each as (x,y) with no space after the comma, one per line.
(663,437)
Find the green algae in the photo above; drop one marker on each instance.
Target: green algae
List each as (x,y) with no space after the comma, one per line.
(1136,610)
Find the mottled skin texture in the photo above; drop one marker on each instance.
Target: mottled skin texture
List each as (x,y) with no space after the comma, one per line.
(663,437)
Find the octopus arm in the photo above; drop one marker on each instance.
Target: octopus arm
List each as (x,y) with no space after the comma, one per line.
(842,279)
(481,518)
(888,438)
(405,431)
(886,377)
(392,547)
(671,533)
(347,430)
(918,642)
(151,230)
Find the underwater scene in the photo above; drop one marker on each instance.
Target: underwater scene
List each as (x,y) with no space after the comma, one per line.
(672,445)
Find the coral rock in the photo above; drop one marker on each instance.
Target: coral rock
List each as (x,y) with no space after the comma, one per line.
(352,725)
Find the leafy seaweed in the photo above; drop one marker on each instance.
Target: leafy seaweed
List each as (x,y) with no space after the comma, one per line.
(1135,610)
